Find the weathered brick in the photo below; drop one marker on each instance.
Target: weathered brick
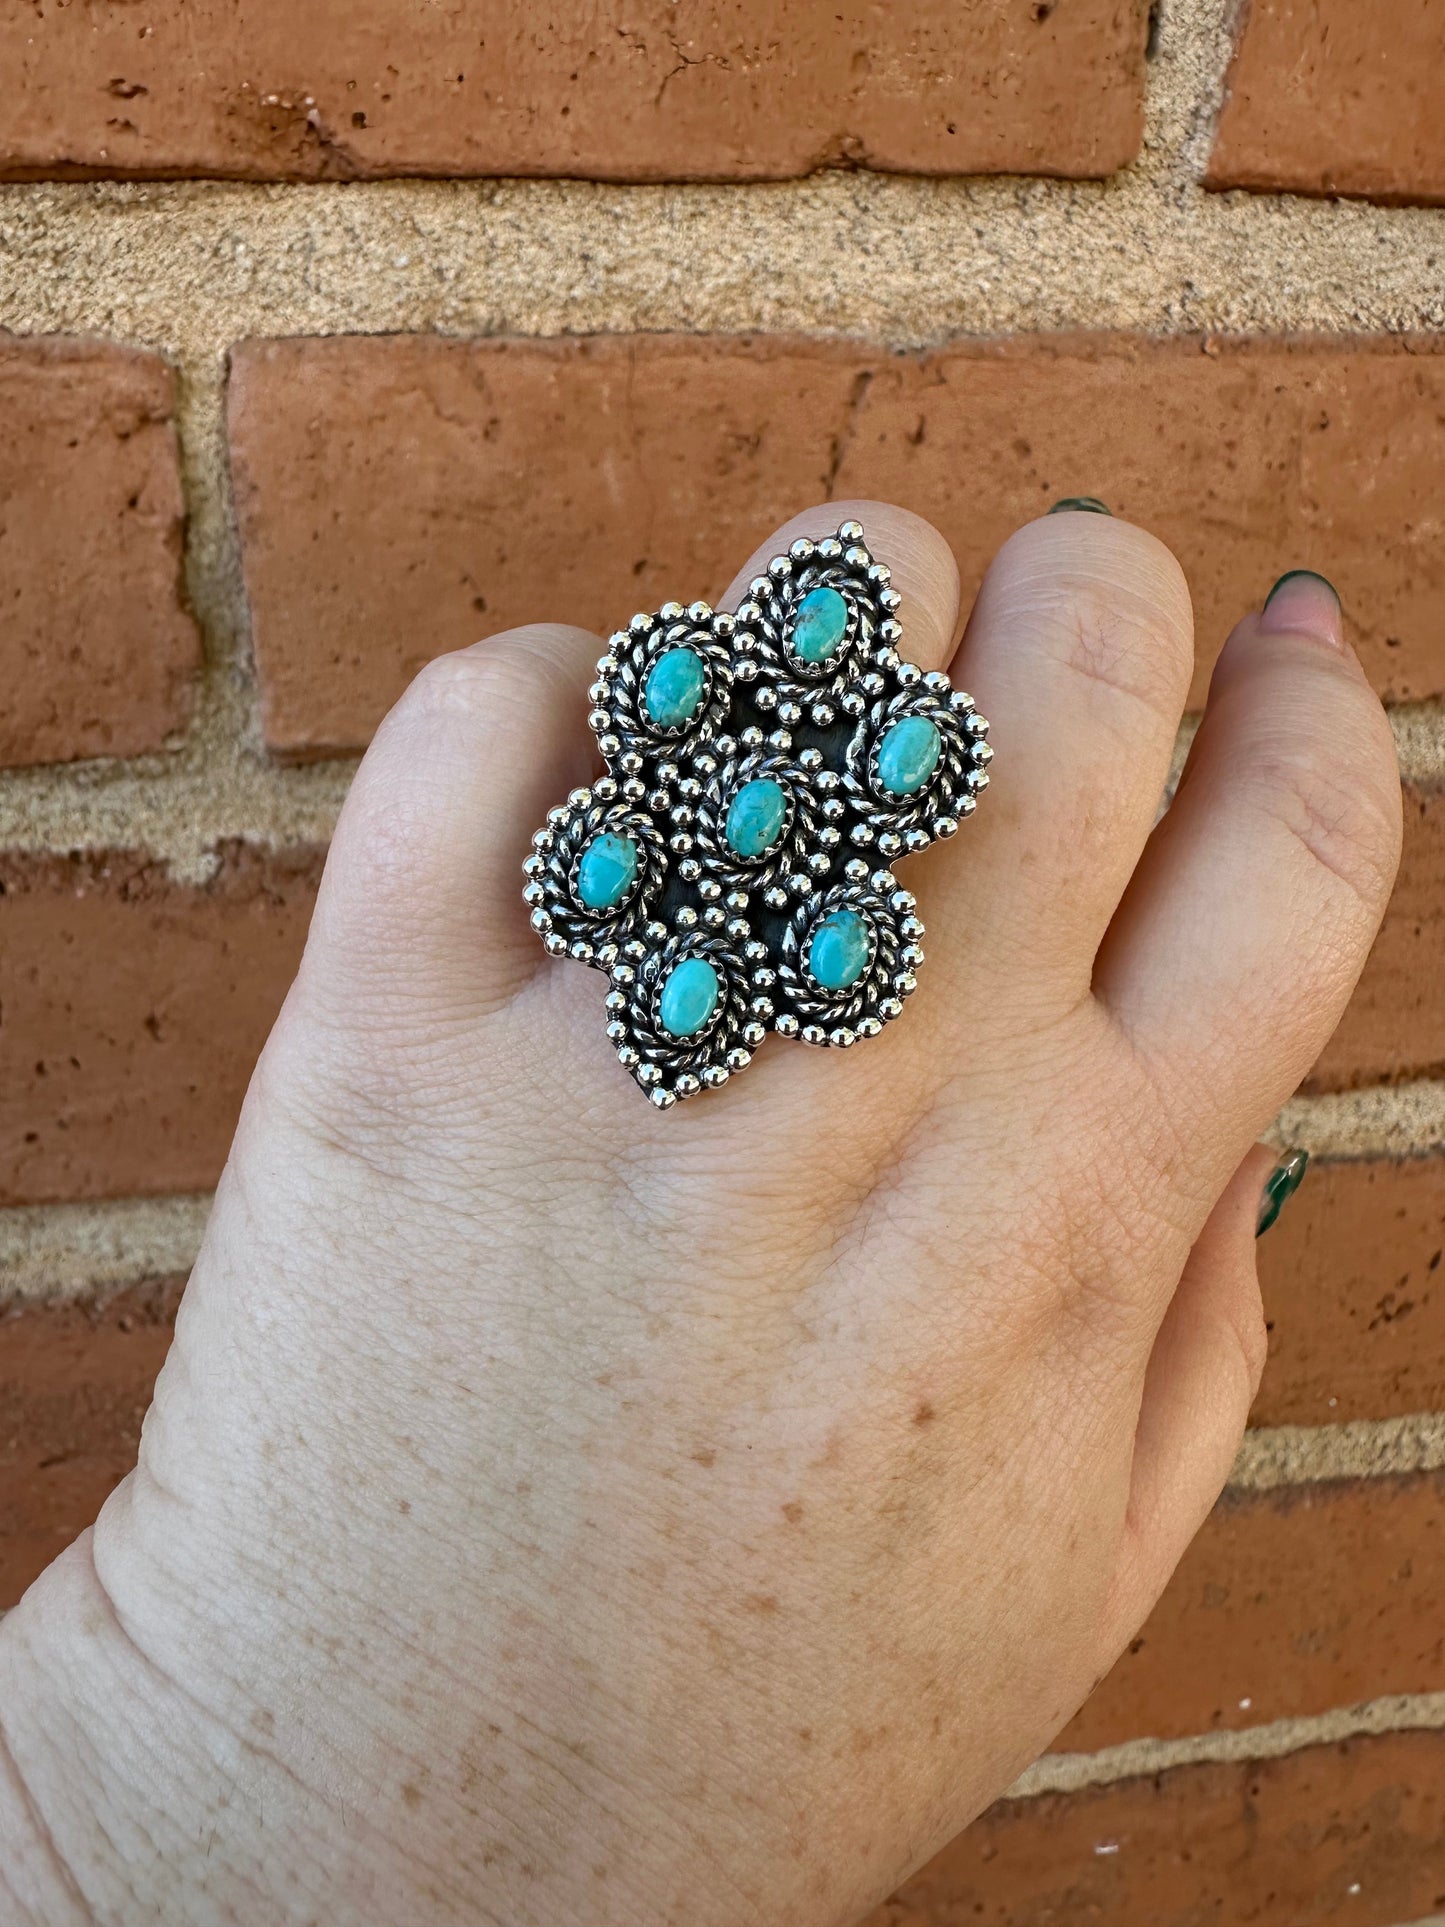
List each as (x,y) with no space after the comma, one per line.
(401,496)
(1331,97)
(1354,1293)
(1347,1835)
(1395,1025)
(1288,1603)
(135,1009)
(737,90)
(98,653)
(398,498)
(75,1381)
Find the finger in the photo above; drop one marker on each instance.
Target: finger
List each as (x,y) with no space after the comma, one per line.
(1079,651)
(1202,1377)
(1248,923)
(920,561)
(421,904)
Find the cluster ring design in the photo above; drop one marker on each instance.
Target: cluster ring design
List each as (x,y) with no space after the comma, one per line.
(732,870)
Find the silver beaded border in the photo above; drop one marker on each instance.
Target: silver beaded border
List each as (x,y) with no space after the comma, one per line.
(904,825)
(626,735)
(700,842)
(817,730)
(566,925)
(816,1015)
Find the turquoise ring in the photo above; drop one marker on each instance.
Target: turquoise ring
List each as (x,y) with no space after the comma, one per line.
(731,870)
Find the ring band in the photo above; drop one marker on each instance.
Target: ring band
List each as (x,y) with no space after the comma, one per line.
(732,870)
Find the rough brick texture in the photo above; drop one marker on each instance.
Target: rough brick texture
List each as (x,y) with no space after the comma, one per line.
(1333,1836)
(97,650)
(1354,1293)
(135,1008)
(75,1381)
(1395,1025)
(1335,97)
(134,1012)
(1288,1603)
(402,496)
(649,91)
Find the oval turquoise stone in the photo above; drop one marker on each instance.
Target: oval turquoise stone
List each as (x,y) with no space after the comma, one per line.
(838,953)
(607,871)
(673,688)
(689,997)
(908,755)
(756,816)
(820,624)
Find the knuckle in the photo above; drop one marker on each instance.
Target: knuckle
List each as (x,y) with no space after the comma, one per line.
(1116,604)
(464,681)
(1346,820)
(522,672)
(1120,648)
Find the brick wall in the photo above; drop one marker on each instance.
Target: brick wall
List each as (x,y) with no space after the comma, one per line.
(326,351)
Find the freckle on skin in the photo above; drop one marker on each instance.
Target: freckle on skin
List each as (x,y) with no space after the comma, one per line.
(404,1506)
(924,1414)
(793,1511)
(412,1795)
(761,1602)
(263,1721)
(805,1734)
(706,1456)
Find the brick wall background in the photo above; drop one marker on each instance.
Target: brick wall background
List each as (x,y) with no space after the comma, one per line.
(279,422)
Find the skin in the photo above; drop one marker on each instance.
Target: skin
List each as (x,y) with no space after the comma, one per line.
(555,1510)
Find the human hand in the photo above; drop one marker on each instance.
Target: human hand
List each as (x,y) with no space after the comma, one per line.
(558,1510)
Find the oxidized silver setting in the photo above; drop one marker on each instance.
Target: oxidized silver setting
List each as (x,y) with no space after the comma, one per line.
(816,730)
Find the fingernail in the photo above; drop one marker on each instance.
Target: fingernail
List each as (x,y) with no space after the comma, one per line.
(1283,1181)
(1081,504)
(1303,602)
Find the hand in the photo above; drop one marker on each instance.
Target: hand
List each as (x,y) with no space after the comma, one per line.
(556,1510)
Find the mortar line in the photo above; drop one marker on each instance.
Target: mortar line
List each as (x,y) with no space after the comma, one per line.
(189,267)
(64,1250)
(1275,1740)
(220,787)
(1273,1457)
(56,1255)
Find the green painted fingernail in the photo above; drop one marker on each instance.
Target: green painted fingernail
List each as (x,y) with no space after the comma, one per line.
(1081,504)
(1293,575)
(1283,1181)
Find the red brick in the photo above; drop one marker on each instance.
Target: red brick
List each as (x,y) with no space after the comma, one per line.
(1354,1292)
(1395,1025)
(737,90)
(1332,97)
(1348,1835)
(98,653)
(1288,1603)
(135,1009)
(484,483)
(75,1381)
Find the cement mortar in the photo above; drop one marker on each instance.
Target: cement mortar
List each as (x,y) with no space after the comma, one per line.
(1136,1759)
(188,268)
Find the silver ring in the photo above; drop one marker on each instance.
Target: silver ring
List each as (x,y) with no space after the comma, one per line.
(731,872)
